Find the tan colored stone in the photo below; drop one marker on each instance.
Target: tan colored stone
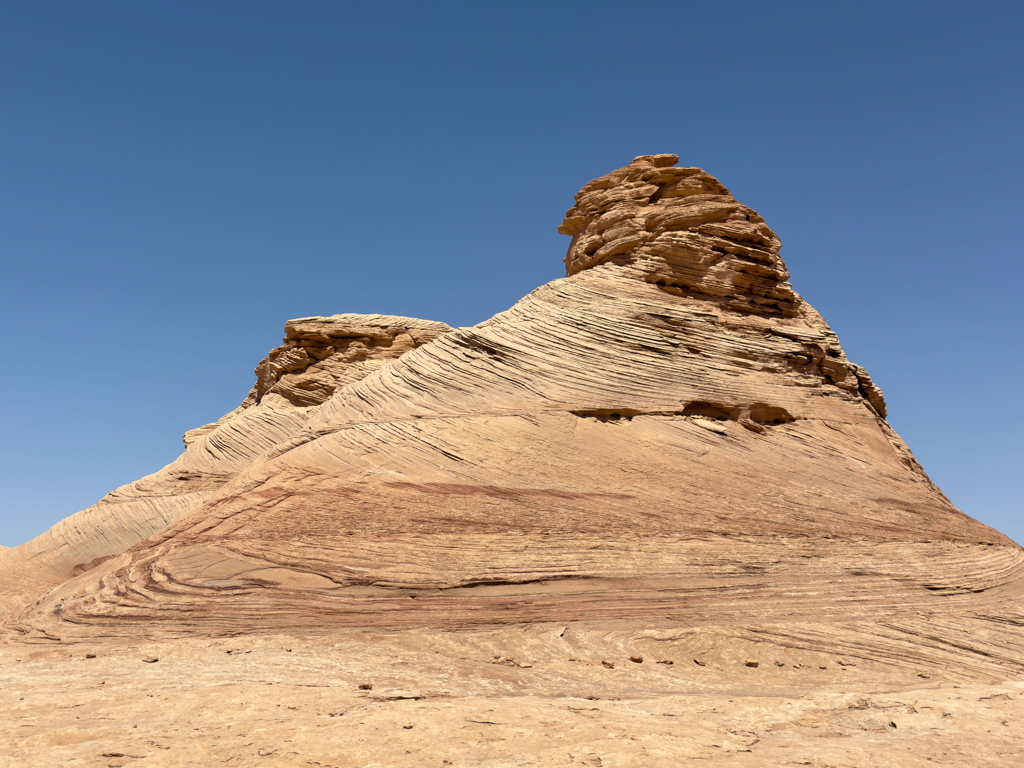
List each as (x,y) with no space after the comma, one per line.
(286,709)
(665,454)
(292,380)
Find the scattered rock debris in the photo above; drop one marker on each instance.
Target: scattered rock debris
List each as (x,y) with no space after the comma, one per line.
(509,661)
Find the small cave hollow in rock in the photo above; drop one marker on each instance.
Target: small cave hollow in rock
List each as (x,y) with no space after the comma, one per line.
(769,414)
(608,414)
(712,411)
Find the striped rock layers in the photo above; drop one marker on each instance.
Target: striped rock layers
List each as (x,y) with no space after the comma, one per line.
(319,355)
(669,436)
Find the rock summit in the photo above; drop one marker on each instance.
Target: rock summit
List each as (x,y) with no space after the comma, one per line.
(665,455)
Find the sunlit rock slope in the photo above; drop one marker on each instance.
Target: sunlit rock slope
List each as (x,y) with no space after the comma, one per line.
(667,437)
(319,354)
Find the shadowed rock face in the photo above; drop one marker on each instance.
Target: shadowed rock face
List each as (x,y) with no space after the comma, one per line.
(319,354)
(681,230)
(668,437)
(685,231)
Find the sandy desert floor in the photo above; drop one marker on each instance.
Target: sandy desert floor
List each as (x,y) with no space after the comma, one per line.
(548,695)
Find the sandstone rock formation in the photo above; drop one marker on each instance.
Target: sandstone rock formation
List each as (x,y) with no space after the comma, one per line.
(319,355)
(531,695)
(664,455)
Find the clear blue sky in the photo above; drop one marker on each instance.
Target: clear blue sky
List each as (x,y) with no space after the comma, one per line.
(179,178)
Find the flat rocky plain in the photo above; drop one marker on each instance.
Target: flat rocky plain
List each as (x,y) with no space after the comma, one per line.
(549,695)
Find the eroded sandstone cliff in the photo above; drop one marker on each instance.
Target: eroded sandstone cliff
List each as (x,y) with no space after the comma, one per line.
(669,434)
(318,355)
(657,484)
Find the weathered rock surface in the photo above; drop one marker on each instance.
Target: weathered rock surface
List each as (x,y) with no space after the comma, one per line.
(319,354)
(528,695)
(664,455)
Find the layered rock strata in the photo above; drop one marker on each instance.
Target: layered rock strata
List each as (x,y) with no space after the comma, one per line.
(667,437)
(319,355)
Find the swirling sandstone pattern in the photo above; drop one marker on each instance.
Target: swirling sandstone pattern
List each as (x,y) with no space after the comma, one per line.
(667,437)
(319,354)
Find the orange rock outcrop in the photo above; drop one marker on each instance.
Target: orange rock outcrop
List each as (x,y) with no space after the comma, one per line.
(318,355)
(666,448)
